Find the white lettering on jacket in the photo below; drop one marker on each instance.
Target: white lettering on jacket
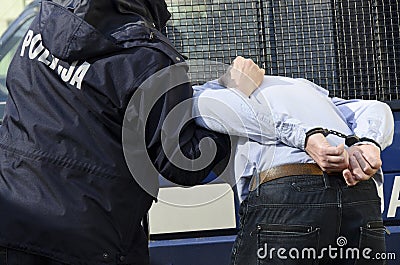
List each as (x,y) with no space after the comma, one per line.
(73,75)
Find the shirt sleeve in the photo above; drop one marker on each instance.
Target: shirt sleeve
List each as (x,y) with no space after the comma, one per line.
(368,118)
(228,111)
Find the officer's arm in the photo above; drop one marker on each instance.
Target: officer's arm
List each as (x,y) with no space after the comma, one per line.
(181,151)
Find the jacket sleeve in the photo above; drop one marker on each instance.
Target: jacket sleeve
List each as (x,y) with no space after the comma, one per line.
(181,151)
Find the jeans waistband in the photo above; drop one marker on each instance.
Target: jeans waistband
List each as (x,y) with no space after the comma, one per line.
(287,170)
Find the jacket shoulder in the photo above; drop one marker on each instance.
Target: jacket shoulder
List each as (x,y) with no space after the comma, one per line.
(139,34)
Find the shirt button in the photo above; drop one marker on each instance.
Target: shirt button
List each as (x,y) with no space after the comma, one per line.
(105,255)
(122,258)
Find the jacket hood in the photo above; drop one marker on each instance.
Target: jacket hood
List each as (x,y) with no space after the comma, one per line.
(80,29)
(105,14)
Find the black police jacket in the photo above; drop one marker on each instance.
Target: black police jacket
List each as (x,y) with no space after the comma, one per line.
(66,191)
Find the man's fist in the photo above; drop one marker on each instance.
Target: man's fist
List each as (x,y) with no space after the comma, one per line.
(365,161)
(243,75)
(329,158)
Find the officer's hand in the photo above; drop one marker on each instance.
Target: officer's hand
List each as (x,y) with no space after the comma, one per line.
(329,158)
(365,161)
(243,75)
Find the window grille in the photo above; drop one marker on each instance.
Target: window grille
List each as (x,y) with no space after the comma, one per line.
(350,47)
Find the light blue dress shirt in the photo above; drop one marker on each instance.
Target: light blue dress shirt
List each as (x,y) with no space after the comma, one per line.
(271,123)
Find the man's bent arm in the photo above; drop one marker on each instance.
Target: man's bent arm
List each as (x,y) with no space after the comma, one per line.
(368,118)
(227,111)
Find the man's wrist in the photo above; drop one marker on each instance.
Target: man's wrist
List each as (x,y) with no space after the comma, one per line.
(367,140)
(349,139)
(367,143)
(313,131)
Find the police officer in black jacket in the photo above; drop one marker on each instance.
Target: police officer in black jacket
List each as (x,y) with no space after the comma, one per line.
(67,195)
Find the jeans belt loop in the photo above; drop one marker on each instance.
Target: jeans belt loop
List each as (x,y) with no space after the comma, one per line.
(256,175)
(325,177)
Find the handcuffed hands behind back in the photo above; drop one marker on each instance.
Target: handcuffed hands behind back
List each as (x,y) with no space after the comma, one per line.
(357,163)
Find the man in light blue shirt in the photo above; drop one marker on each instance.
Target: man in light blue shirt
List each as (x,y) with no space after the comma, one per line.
(301,184)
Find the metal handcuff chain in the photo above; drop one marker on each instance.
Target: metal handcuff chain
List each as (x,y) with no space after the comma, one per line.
(349,139)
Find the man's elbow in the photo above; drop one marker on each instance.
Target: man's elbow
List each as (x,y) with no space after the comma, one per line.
(387,118)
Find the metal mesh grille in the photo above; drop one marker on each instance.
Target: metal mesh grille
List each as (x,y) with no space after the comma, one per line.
(351,47)
(388,47)
(368,48)
(300,40)
(215,30)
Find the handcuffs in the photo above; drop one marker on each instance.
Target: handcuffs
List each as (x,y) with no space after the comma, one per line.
(349,139)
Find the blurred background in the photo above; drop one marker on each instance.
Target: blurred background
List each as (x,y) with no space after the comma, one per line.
(9,10)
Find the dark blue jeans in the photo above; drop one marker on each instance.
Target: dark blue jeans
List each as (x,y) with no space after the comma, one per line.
(15,257)
(310,220)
